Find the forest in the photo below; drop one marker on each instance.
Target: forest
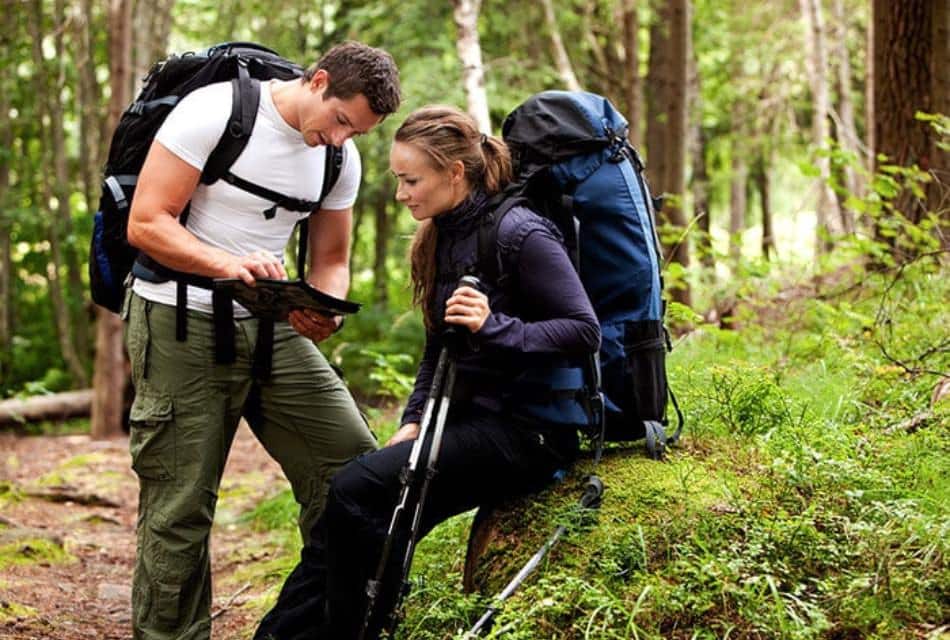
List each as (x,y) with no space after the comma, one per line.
(802,149)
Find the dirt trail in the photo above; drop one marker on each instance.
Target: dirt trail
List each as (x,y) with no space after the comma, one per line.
(86,595)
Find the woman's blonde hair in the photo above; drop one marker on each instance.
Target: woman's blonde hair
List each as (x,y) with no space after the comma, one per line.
(446,135)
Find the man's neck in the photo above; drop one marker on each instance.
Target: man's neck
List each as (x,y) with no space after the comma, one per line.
(284,93)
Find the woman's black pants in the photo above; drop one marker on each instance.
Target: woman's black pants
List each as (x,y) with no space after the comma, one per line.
(485,459)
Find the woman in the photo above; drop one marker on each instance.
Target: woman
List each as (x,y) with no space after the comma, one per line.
(495,446)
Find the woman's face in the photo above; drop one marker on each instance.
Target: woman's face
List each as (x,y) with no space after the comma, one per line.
(427,190)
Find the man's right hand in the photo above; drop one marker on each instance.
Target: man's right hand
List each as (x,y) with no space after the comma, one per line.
(260,264)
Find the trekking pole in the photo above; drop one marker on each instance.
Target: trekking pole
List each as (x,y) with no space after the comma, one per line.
(593,492)
(440,391)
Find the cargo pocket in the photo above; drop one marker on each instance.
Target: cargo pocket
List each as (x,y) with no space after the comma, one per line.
(166,602)
(645,370)
(152,437)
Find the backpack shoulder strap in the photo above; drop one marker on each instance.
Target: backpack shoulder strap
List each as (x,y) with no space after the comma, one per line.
(489,263)
(332,167)
(245,98)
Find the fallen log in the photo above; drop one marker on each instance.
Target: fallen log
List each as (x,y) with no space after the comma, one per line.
(56,406)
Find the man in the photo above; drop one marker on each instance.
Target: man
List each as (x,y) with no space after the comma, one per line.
(187,405)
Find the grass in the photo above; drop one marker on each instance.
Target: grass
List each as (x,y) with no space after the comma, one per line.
(796,507)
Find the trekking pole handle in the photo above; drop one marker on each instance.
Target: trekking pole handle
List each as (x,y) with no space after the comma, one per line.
(470,281)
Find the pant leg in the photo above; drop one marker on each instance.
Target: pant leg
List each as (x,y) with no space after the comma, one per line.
(183,421)
(307,420)
(482,460)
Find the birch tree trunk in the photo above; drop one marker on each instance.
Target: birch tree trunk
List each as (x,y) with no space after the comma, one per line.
(826,208)
(666,122)
(470,53)
(631,48)
(561,59)
(110,375)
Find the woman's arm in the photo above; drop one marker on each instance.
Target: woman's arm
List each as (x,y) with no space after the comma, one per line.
(549,285)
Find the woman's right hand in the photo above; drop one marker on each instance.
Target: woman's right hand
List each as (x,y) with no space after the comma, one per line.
(407,432)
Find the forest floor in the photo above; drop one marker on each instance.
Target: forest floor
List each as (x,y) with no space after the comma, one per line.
(67,537)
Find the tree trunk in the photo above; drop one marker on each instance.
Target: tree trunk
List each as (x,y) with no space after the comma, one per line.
(666,126)
(111,374)
(631,48)
(381,245)
(907,70)
(600,68)
(826,208)
(737,205)
(760,178)
(470,53)
(88,93)
(8,31)
(79,322)
(701,208)
(58,406)
(847,132)
(561,59)
(152,24)
(50,110)
(938,191)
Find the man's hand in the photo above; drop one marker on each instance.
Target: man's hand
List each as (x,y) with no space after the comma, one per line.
(313,325)
(406,433)
(260,264)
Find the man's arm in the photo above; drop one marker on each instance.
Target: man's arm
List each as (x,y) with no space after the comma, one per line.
(166,184)
(329,245)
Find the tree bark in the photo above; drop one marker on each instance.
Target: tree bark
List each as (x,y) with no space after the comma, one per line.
(8,33)
(631,47)
(110,376)
(49,110)
(89,94)
(909,75)
(381,245)
(737,205)
(561,59)
(760,178)
(826,208)
(152,23)
(58,406)
(701,208)
(847,131)
(470,53)
(62,189)
(666,126)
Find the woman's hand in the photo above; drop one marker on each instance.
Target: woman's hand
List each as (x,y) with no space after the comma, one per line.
(407,432)
(467,307)
(313,325)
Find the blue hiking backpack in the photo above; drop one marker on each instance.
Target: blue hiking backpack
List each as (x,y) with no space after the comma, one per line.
(573,165)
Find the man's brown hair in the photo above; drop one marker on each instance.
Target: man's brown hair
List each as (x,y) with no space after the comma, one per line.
(355,68)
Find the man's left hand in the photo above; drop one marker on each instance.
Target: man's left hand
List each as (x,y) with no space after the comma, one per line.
(313,325)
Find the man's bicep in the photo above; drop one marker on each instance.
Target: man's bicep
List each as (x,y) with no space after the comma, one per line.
(329,231)
(165,185)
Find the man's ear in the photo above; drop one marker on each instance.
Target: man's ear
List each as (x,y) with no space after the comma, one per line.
(320,80)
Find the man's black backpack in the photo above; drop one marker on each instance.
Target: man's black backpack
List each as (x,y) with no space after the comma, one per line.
(574,166)
(245,64)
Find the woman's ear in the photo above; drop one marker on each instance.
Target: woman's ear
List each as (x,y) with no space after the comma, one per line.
(457,171)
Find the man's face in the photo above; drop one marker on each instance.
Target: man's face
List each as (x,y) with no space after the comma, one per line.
(333,121)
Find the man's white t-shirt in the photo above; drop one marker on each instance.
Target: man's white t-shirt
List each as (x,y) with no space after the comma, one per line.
(276,158)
